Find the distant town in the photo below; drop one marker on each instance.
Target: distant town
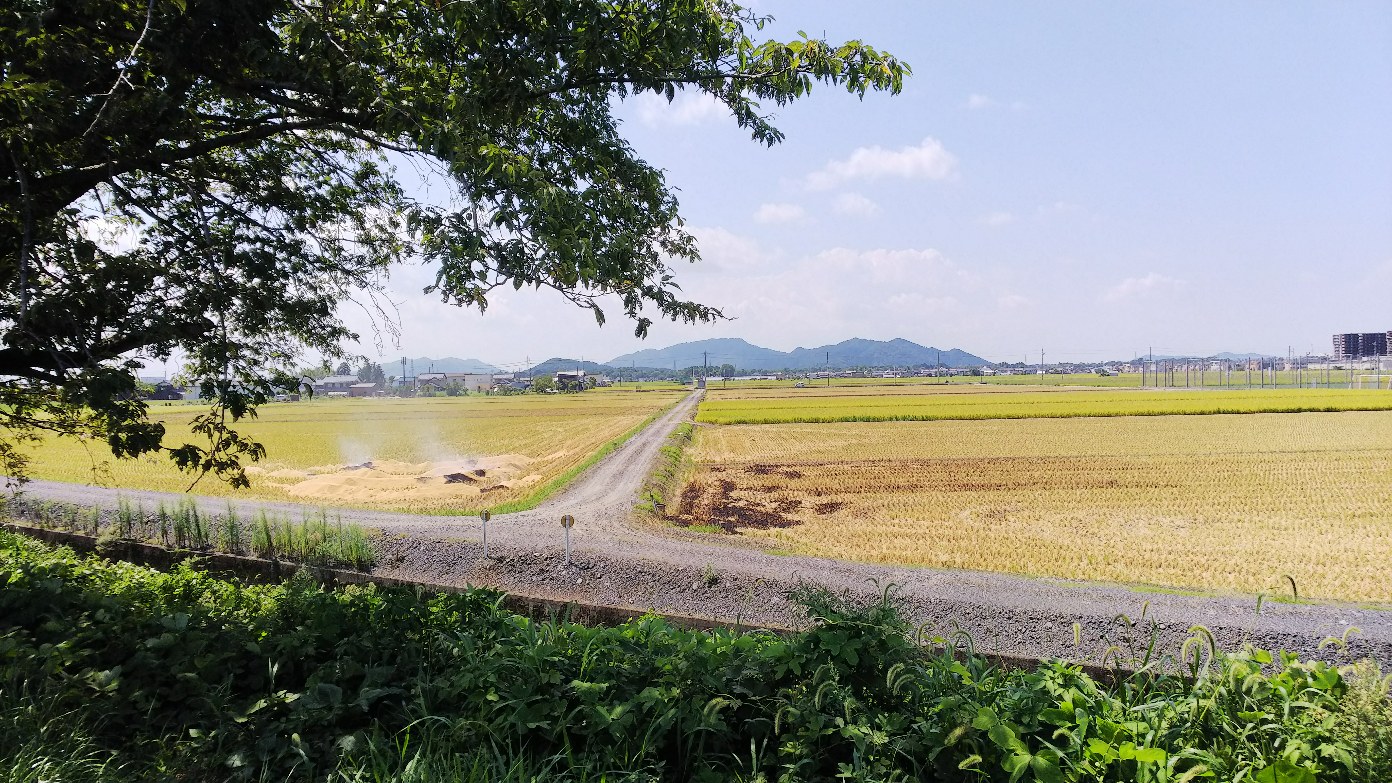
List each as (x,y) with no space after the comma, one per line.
(1357,359)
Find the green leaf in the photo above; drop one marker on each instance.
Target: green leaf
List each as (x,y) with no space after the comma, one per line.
(1284,771)
(1150,755)
(985,718)
(1101,749)
(1046,769)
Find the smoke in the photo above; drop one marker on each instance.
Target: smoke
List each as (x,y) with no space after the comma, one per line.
(417,441)
(354,451)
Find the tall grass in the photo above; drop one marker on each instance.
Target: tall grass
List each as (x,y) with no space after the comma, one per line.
(314,539)
(668,471)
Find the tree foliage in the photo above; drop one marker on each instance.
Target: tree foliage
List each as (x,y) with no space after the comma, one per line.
(213,180)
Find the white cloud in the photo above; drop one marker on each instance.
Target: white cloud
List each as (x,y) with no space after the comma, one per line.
(1135,287)
(997,219)
(724,252)
(908,267)
(929,160)
(1012,302)
(856,205)
(655,111)
(778,213)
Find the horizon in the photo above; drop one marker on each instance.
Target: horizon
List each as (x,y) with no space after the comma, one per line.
(388,362)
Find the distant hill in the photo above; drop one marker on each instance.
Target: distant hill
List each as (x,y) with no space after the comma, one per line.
(855,352)
(858,352)
(1240,356)
(447,364)
(725,350)
(556,364)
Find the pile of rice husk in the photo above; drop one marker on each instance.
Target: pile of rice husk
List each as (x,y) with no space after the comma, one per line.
(401,483)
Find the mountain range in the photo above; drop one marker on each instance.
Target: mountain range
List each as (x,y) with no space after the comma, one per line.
(856,352)
(447,364)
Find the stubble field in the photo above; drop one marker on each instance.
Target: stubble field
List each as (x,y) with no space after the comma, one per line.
(431,455)
(1223,502)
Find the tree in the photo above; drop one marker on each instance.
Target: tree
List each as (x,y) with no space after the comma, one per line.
(543,383)
(211,179)
(727,371)
(371,372)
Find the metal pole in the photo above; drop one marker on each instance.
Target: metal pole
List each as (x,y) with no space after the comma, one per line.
(484,516)
(566,522)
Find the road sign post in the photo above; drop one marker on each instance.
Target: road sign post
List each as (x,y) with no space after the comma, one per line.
(567,522)
(484,516)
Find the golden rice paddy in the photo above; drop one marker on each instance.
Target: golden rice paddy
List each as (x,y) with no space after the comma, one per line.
(1224,502)
(440,454)
(924,403)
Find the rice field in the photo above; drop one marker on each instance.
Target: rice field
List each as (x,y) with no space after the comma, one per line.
(432,455)
(1223,502)
(949,402)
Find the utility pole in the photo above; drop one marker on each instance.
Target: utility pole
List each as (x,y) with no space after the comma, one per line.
(828,367)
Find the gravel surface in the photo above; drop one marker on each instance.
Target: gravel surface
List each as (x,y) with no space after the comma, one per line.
(621,560)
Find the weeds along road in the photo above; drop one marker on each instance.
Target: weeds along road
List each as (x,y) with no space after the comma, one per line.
(622,560)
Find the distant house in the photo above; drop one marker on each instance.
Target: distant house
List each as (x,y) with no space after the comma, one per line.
(570,380)
(510,382)
(364,390)
(472,382)
(164,390)
(335,385)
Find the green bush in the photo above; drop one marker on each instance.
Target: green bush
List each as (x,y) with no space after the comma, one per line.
(181,675)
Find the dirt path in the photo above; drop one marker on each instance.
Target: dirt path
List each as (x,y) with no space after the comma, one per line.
(626,562)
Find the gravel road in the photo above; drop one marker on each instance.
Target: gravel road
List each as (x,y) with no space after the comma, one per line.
(622,560)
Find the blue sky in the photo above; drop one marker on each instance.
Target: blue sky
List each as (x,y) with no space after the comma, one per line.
(1086,178)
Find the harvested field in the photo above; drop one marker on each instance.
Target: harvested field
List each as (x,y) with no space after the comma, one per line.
(908,403)
(1230,503)
(450,454)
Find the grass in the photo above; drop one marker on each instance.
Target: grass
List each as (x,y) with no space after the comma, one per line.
(314,539)
(669,471)
(1214,503)
(116,673)
(873,404)
(550,436)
